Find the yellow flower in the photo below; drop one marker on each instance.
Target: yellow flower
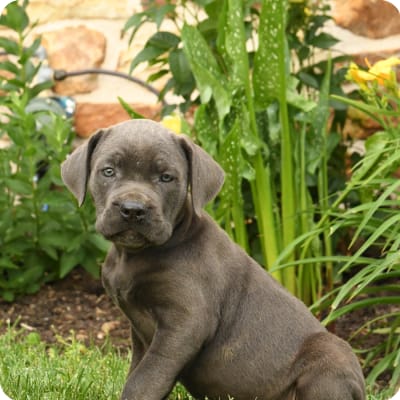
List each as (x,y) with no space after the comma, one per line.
(381,71)
(172,122)
(356,74)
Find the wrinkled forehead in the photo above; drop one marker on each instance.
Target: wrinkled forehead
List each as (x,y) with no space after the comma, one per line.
(143,141)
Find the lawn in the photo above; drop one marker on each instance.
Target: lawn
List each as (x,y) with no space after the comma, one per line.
(31,370)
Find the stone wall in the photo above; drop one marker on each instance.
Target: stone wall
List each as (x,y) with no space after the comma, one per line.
(56,10)
(371,18)
(84,34)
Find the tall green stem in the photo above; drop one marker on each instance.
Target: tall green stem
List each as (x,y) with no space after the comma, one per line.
(287,186)
(261,187)
(287,178)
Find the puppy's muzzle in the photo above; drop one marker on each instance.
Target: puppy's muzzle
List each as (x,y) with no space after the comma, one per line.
(132,211)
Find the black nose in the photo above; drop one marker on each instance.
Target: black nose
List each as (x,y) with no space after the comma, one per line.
(132,210)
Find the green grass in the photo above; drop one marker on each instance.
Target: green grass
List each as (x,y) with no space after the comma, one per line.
(31,370)
(69,370)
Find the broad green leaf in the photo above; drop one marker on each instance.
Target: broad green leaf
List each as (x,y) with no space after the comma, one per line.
(324,41)
(59,241)
(235,43)
(30,52)
(210,80)
(40,87)
(15,18)
(159,13)
(10,46)
(318,117)
(157,75)
(231,199)
(308,79)
(206,126)
(181,72)
(149,53)
(91,266)
(7,264)
(99,242)
(32,273)
(68,262)
(134,21)
(7,295)
(9,66)
(164,40)
(298,100)
(19,185)
(268,58)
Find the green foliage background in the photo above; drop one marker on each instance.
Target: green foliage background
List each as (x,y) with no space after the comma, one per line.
(43,233)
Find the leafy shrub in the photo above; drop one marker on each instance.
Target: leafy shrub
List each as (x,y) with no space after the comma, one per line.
(43,233)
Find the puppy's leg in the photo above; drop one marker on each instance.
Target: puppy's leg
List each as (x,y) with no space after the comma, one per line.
(327,369)
(322,386)
(172,347)
(138,350)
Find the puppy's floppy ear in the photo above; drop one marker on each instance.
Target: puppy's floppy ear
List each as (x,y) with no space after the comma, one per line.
(206,177)
(75,170)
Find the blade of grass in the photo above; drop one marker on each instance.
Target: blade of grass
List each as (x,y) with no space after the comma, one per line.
(360,304)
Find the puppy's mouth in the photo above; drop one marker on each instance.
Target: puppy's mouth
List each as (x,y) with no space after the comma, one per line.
(129,239)
(133,234)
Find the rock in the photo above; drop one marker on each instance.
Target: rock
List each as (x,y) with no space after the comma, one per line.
(90,117)
(109,326)
(72,49)
(371,18)
(53,10)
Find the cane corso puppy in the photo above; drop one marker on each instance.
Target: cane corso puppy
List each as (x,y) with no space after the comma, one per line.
(202,311)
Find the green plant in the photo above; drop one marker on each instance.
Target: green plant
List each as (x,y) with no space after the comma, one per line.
(256,120)
(374,226)
(43,233)
(164,49)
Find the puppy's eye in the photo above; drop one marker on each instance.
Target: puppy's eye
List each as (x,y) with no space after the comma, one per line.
(108,172)
(165,178)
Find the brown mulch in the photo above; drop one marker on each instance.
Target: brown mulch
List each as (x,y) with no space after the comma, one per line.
(75,306)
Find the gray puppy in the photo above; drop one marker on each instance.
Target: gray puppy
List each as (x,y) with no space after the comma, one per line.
(202,311)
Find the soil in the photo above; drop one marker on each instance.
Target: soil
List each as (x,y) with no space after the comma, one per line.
(79,306)
(76,305)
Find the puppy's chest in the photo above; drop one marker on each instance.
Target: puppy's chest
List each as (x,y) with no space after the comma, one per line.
(125,293)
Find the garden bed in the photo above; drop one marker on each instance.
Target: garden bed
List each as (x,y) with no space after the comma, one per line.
(76,304)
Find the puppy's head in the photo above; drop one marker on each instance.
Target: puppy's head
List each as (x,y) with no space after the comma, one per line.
(140,176)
